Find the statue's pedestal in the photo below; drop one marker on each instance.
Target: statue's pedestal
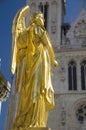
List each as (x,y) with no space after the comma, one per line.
(34,128)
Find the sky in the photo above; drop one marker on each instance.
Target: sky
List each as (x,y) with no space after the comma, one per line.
(8,9)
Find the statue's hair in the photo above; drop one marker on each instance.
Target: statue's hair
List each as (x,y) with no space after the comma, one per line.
(37,14)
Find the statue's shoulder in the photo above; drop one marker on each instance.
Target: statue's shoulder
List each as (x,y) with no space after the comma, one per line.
(31,28)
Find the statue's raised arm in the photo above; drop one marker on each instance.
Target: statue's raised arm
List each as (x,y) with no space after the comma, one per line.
(17,28)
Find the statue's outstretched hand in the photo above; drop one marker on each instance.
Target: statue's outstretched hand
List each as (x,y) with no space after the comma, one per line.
(55,63)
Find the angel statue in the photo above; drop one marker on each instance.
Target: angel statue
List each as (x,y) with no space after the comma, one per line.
(32,58)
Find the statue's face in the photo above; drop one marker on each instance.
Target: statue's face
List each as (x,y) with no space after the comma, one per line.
(37,17)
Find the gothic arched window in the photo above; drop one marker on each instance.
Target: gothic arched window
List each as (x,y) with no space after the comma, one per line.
(72,80)
(44,10)
(83,75)
(41,7)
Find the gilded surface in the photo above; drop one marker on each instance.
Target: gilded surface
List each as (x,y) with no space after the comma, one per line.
(32,57)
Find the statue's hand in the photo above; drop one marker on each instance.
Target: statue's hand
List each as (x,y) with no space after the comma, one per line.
(55,63)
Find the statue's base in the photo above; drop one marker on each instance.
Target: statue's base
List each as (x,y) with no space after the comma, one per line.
(34,128)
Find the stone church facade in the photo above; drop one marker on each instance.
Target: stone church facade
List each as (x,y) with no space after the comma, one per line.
(69,79)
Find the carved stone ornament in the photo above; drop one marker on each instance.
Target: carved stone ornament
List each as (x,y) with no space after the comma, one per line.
(80,29)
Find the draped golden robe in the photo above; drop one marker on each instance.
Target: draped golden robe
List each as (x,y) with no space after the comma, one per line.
(33,80)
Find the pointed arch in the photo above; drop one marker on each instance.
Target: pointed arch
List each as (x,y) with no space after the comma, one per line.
(83,75)
(72,78)
(44,9)
(40,6)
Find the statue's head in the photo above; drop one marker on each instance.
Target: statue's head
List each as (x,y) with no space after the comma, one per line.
(37,17)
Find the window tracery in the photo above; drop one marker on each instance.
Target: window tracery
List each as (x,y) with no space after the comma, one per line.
(81,113)
(72,79)
(44,9)
(83,75)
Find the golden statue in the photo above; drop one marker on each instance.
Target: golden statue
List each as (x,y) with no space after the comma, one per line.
(32,57)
